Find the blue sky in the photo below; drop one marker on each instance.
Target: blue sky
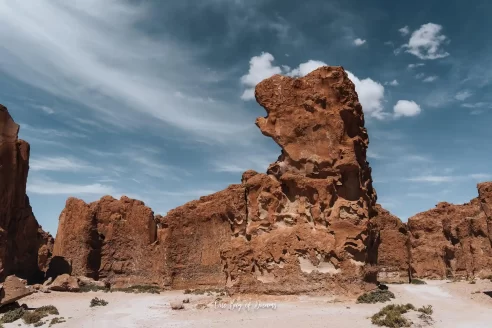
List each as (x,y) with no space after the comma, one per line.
(152,99)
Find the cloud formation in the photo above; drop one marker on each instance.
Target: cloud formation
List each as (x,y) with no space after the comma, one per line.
(406,108)
(359,42)
(426,42)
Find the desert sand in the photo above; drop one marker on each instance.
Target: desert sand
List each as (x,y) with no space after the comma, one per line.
(455,304)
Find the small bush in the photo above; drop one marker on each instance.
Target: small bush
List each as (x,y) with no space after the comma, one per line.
(39,324)
(418,282)
(92,288)
(473,282)
(12,315)
(98,302)
(426,309)
(138,289)
(47,309)
(208,291)
(32,317)
(54,321)
(392,316)
(376,296)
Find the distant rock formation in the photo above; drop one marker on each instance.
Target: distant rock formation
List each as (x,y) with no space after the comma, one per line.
(25,248)
(301,227)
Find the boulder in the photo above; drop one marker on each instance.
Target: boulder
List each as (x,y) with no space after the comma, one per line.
(13,289)
(65,283)
(24,247)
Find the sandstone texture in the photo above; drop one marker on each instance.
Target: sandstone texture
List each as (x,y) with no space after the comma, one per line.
(453,241)
(65,283)
(13,289)
(389,247)
(25,248)
(110,239)
(302,226)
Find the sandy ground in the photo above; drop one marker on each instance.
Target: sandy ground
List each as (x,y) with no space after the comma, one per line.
(456,304)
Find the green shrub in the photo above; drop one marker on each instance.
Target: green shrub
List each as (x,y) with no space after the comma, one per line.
(47,309)
(32,317)
(418,282)
(392,316)
(426,309)
(208,291)
(98,302)
(92,288)
(12,315)
(39,324)
(376,296)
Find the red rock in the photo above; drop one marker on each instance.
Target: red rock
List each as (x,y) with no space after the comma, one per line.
(24,247)
(13,289)
(389,247)
(65,283)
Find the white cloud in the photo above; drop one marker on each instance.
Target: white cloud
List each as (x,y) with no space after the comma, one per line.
(371,95)
(430,78)
(432,178)
(406,108)
(404,30)
(60,164)
(73,57)
(463,95)
(392,83)
(426,42)
(481,176)
(410,66)
(50,187)
(420,76)
(359,42)
(374,155)
(260,68)
(306,68)
(46,109)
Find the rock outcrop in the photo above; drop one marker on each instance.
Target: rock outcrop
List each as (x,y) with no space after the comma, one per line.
(453,241)
(301,227)
(25,248)
(13,289)
(389,247)
(110,239)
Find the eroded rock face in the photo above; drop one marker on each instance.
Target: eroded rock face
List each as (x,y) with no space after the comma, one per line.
(25,248)
(110,239)
(389,247)
(302,227)
(453,241)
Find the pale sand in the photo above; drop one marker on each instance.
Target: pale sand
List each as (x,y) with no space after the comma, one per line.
(454,306)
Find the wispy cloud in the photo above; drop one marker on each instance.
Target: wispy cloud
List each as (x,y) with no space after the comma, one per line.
(449,178)
(430,79)
(358,42)
(50,187)
(74,57)
(58,163)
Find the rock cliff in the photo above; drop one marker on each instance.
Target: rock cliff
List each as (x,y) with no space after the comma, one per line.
(25,248)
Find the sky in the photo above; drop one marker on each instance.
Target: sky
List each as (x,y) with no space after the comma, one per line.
(154,99)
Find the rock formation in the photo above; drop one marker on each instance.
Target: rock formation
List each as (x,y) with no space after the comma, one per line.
(453,241)
(13,289)
(25,248)
(301,227)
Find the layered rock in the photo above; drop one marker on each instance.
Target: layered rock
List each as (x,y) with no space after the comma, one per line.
(25,248)
(453,241)
(301,227)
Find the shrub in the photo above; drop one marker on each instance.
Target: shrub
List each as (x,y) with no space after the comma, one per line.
(473,282)
(39,313)
(92,288)
(426,309)
(208,291)
(39,324)
(376,296)
(54,321)
(418,282)
(138,289)
(12,315)
(47,309)
(98,302)
(392,316)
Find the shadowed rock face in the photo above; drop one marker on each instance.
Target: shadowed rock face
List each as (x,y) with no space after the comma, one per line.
(301,227)
(25,248)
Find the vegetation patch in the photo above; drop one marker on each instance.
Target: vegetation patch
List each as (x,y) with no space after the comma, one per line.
(98,302)
(39,324)
(12,315)
(92,288)
(208,291)
(34,317)
(426,309)
(54,321)
(418,282)
(376,296)
(392,316)
(138,289)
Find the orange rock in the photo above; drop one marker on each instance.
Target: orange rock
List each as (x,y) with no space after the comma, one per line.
(24,247)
